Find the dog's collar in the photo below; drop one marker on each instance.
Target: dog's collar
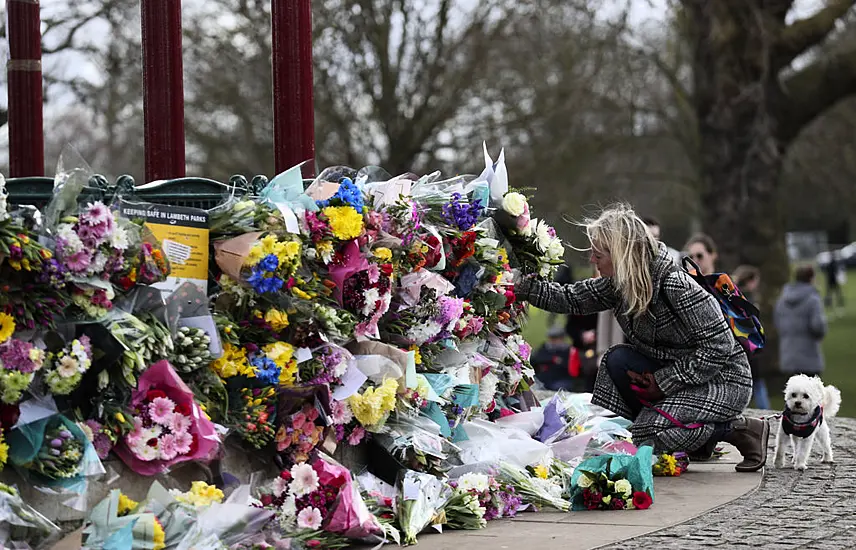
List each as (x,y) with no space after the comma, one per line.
(801,429)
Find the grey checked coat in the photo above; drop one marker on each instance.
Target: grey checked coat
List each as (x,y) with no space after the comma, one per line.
(705,373)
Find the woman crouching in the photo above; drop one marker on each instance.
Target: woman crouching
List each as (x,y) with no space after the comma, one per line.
(683,379)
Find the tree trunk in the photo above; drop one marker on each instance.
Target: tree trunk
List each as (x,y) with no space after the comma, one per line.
(741,153)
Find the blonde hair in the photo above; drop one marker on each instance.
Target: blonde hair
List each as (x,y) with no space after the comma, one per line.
(619,231)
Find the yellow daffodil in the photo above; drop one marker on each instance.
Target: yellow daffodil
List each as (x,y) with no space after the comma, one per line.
(276,319)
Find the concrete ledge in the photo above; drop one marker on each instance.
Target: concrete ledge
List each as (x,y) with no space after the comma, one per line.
(704,487)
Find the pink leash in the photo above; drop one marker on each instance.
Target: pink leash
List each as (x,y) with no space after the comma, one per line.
(639,392)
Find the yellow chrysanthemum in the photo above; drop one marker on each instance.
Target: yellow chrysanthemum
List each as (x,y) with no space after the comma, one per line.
(292,250)
(541,471)
(345,222)
(383,254)
(373,405)
(126,505)
(7,327)
(201,494)
(276,319)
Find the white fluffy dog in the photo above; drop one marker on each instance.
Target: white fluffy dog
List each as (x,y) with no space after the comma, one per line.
(808,406)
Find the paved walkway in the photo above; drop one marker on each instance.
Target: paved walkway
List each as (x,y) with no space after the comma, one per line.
(815,509)
(709,506)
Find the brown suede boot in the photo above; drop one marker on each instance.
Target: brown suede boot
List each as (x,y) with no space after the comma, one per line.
(750,436)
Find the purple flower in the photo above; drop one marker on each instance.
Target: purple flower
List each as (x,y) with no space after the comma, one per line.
(467,280)
(460,214)
(79,261)
(451,310)
(56,443)
(93,235)
(15,355)
(96,214)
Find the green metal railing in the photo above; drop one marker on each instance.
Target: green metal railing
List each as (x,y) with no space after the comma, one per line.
(191,191)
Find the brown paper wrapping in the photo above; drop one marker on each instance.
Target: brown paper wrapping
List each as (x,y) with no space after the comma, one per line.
(231,254)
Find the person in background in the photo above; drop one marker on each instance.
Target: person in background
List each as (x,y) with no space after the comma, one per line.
(654,226)
(748,279)
(582,329)
(801,322)
(702,250)
(551,362)
(833,271)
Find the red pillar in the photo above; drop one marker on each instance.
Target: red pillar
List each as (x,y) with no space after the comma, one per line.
(163,89)
(24,72)
(293,114)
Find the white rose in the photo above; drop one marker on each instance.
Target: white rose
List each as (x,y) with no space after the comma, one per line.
(556,249)
(514,204)
(584,481)
(623,486)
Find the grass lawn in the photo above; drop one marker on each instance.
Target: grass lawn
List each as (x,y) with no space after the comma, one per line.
(839,348)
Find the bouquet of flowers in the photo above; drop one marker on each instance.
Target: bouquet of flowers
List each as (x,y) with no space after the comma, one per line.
(421,500)
(33,281)
(671,465)
(254,417)
(64,369)
(614,482)
(536,490)
(299,434)
(190,349)
(478,498)
(319,498)
(54,451)
(19,362)
(169,427)
(147,265)
(327,366)
(92,244)
(536,247)
(372,407)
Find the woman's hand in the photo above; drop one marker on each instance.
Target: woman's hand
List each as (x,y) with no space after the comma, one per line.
(648,384)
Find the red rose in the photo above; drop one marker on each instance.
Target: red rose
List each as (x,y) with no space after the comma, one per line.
(313,543)
(510,298)
(642,500)
(386,269)
(285,474)
(267,500)
(182,409)
(618,504)
(153,442)
(151,395)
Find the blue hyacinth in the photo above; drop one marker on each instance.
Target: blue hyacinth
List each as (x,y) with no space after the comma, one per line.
(269,263)
(261,283)
(347,195)
(266,369)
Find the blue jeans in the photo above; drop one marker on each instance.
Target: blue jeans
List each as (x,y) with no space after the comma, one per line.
(621,359)
(762,398)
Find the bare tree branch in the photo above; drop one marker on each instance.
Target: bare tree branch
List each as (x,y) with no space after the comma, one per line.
(796,38)
(814,89)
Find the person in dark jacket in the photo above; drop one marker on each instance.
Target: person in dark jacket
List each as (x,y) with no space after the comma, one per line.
(801,323)
(581,329)
(834,293)
(551,362)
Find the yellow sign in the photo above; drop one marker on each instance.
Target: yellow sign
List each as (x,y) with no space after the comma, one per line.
(183,234)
